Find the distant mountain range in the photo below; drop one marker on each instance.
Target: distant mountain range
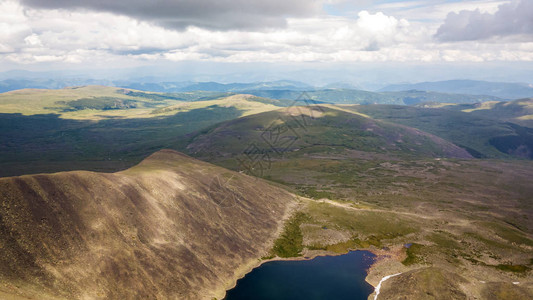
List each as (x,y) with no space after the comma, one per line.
(451,91)
(279,90)
(505,90)
(20,79)
(163,87)
(18,84)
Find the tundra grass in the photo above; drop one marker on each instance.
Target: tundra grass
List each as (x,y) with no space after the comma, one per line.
(290,243)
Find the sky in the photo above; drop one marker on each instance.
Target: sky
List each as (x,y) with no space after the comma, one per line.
(456,37)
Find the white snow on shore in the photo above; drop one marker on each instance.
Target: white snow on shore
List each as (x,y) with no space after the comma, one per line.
(381,281)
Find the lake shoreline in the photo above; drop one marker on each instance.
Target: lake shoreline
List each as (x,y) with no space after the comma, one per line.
(381,257)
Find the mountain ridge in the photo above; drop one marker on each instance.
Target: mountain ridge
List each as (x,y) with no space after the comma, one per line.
(324,127)
(162,229)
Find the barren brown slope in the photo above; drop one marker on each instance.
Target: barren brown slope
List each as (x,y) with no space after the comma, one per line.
(170,228)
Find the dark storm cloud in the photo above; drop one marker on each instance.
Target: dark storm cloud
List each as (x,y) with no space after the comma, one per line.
(515,18)
(211,14)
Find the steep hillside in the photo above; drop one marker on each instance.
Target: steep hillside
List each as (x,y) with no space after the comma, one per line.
(298,131)
(169,228)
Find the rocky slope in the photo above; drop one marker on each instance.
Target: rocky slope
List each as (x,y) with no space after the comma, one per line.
(171,227)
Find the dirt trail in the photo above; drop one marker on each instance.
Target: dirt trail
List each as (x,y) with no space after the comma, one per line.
(349,206)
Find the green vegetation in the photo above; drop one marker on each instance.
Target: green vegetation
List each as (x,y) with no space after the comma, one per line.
(185,96)
(487,241)
(342,247)
(47,143)
(414,255)
(98,103)
(380,224)
(482,137)
(386,184)
(90,102)
(313,193)
(444,240)
(328,131)
(385,198)
(353,243)
(289,244)
(513,268)
(517,111)
(102,128)
(510,234)
(350,96)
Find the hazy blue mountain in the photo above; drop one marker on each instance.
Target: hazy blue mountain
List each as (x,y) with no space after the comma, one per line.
(342,85)
(17,84)
(149,86)
(21,81)
(237,87)
(503,90)
(338,93)
(279,90)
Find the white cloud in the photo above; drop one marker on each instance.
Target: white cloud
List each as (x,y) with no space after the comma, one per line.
(33,40)
(436,10)
(511,19)
(55,34)
(14,27)
(212,14)
(32,36)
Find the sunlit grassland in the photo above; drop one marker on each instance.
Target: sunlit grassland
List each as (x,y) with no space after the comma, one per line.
(99,102)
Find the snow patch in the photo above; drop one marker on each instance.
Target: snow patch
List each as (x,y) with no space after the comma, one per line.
(381,281)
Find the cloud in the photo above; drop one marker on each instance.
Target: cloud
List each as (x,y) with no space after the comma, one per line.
(180,14)
(511,19)
(381,30)
(13,27)
(90,38)
(80,36)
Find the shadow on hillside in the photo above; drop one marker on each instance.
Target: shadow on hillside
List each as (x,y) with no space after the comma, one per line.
(48,143)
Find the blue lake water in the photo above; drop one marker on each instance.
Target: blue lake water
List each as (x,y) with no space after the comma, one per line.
(327,277)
